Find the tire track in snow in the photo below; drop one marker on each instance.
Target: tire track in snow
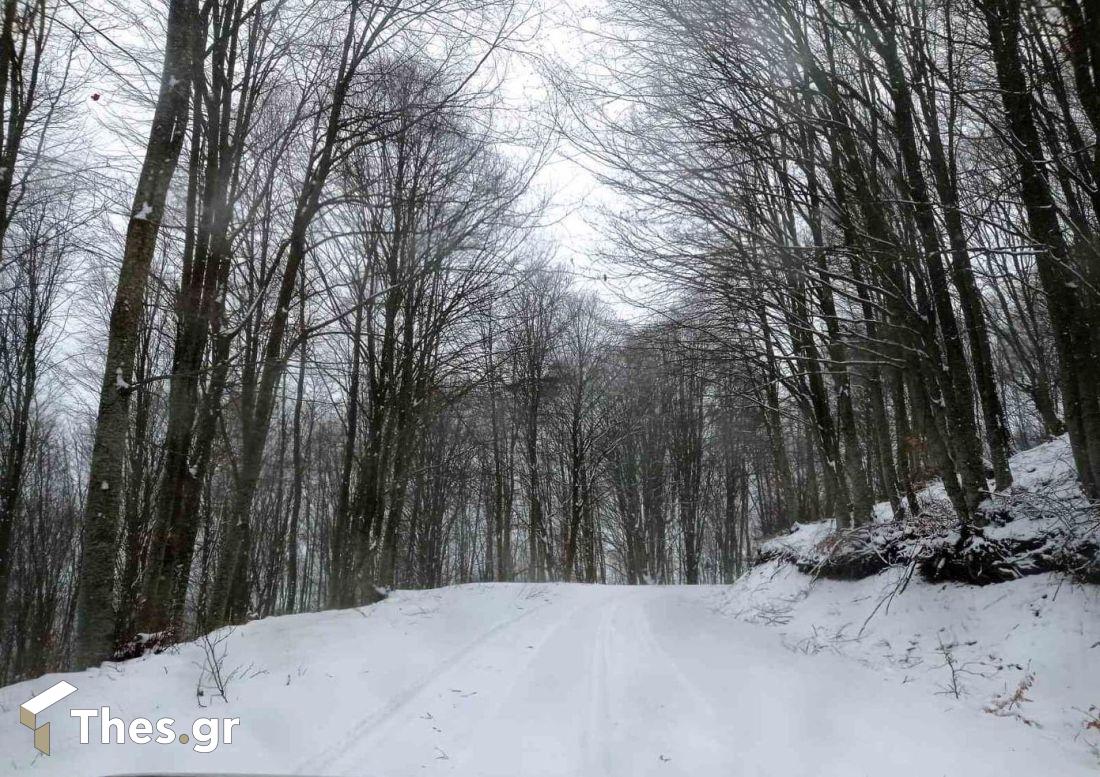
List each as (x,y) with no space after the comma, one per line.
(642,628)
(683,732)
(370,726)
(595,739)
(552,671)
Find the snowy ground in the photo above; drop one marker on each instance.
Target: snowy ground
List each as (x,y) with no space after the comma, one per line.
(1041,631)
(1027,651)
(579,680)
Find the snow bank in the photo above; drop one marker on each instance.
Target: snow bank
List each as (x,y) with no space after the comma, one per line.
(1027,650)
(996,637)
(1042,524)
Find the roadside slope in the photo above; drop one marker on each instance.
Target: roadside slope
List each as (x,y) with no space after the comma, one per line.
(1025,649)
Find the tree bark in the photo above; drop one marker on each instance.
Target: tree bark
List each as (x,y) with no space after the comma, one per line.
(95,619)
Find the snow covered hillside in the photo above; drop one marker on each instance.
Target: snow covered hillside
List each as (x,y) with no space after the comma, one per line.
(572,680)
(1025,649)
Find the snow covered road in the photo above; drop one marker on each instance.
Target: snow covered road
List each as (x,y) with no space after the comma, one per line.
(539,681)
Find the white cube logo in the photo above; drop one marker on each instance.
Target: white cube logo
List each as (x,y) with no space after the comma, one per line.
(30,709)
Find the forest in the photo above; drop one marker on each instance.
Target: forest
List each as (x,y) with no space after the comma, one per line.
(287,319)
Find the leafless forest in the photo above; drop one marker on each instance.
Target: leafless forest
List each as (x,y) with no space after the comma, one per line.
(285,320)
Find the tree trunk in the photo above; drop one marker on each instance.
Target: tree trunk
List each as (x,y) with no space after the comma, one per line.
(95,624)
